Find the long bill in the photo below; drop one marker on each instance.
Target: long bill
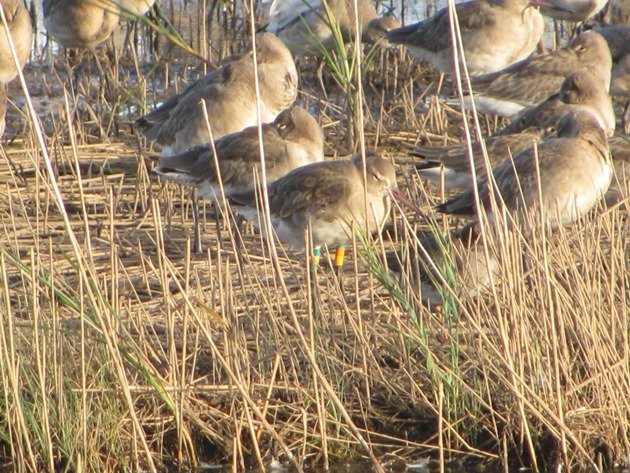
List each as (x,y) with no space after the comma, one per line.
(405,201)
(552,5)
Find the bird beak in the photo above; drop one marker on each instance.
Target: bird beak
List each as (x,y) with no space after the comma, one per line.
(549,4)
(405,201)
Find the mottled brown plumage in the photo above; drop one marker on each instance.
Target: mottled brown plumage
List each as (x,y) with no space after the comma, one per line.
(331,195)
(618,38)
(619,12)
(620,80)
(620,186)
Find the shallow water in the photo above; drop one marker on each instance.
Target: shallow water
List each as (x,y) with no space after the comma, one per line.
(422,465)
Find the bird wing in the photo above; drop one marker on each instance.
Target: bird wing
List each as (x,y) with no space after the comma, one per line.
(543,116)
(518,177)
(529,81)
(151,122)
(316,193)
(499,148)
(278,87)
(234,92)
(509,184)
(237,154)
(430,33)
(285,12)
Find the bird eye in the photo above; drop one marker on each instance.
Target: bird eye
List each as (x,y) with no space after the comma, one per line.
(380,177)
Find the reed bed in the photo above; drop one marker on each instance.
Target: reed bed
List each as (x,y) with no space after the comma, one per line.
(121,349)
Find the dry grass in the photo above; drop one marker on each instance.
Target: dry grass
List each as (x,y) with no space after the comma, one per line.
(119,349)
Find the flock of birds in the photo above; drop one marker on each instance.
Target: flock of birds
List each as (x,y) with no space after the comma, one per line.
(559,103)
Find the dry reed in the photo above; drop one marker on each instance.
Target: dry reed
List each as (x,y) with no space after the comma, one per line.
(122,349)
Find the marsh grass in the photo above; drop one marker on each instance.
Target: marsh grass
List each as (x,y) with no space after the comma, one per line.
(122,349)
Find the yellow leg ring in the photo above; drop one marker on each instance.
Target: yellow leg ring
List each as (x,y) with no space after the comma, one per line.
(340,255)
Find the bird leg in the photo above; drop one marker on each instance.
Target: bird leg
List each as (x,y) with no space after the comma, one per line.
(340,254)
(317,255)
(240,243)
(320,77)
(197,222)
(217,223)
(74,67)
(241,224)
(130,43)
(625,118)
(105,84)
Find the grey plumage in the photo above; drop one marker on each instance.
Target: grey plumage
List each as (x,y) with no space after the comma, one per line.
(575,172)
(495,34)
(80,23)
(292,140)
(331,195)
(303,25)
(529,82)
(230,99)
